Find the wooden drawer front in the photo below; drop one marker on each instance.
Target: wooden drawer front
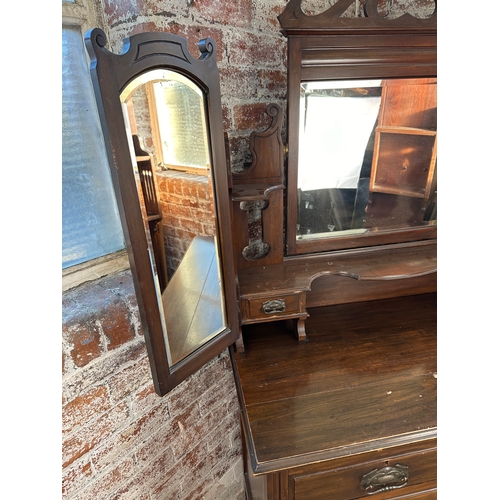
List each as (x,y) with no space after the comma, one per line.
(345,483)
(273,307)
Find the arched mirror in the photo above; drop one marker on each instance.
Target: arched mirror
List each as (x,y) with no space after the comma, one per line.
(162,123)
(362,168)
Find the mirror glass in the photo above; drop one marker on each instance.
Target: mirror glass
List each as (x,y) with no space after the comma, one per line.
(367,156)
(166,124)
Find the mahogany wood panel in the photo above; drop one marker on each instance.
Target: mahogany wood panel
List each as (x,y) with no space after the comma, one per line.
(419,95)
(378,263)
(326,290)
(343,483)
(263,181)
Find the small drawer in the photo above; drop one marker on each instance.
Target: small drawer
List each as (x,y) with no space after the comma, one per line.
(289,305)
(394,477)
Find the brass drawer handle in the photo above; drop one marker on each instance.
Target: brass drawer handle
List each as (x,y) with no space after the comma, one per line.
(274,306)
(385,479)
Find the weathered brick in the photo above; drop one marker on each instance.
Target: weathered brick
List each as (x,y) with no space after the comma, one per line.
(157,448)
(75,477)
(117,326)
(251,117)
(130,379)
(201,416)
(84,407)
(217,394)
(130,437)
(144,399)
(185,430)
(273,82)
(84,340)
(169,485)
(221,11)
(255,50)
(112,480)
(87,437)
(266,16)
(100,370)
(198,479)
(239,83)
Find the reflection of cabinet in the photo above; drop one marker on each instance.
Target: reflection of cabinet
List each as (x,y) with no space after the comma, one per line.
(153,209)
(403,169)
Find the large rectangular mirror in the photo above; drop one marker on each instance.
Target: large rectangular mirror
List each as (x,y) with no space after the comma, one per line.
(367,156)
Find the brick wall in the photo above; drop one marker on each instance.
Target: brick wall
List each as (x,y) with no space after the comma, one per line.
(251,52)
(120,440)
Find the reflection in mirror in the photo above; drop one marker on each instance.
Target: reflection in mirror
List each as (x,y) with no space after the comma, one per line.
(166,126)
(367,156)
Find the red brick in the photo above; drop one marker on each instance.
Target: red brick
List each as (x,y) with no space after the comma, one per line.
(117,325)
(93,433)
(273,82)
(249,49)
(115,11)
(239,83)
(234,13)
(197,479)
(226,119)
(84,407)
(192,226)
(144,399)
(184,235)
(266,16)
(84,340)
(130,379)
(74,478)
(217,393)
(129,438)
(251,117)
(186,429)
(155,453)
(136,489)
(168,485)
(107,483)
(179,211)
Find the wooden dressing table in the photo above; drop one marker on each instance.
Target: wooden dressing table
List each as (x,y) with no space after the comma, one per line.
(342,405)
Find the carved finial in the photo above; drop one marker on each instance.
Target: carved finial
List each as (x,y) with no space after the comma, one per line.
(95,39)
(100,38)
(206,48)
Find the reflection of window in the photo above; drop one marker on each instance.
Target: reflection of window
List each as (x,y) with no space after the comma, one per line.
(181,125)
(90,223)
(337,121)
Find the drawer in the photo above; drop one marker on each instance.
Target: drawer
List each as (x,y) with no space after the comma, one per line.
(395,477)
(273,307)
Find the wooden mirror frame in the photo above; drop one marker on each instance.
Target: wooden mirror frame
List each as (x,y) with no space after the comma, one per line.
(111,73)
(330,47)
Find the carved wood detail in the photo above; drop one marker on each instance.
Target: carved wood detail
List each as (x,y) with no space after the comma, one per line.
(293,18)
(257,196)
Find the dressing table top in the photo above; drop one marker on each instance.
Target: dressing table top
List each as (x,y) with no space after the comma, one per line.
(365,380)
